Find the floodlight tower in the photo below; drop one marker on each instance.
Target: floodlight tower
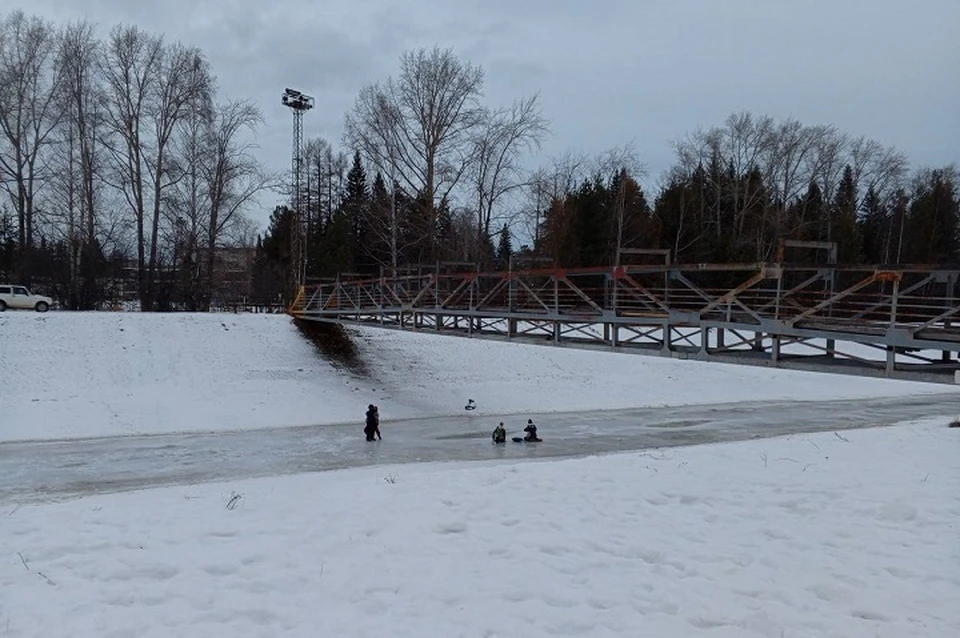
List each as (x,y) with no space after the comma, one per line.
(298,103)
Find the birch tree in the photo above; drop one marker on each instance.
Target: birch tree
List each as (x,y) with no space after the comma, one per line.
(80,164)
(129,67)
(30,110)
(503,136)
(152,88)
(419,127)
(233,177)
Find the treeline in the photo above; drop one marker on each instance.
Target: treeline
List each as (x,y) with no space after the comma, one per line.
(448,185)
(125,176)
(737,190)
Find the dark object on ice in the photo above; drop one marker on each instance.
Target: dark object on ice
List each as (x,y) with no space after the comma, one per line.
(499,434)
(954,424)
(470,405)
(372,428)
(531,430)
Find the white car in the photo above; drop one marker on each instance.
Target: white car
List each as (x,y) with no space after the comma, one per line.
(19,297)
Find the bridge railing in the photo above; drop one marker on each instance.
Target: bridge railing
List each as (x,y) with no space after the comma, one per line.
(858,297)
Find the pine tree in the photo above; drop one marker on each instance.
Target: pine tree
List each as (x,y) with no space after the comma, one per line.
(933,220)
(355,213)
(377,245)
(811,220)
(336,245)
(875,229)
(843,217)
(595,223)
(8,245)
(504,248)
(898,223)
(273,277)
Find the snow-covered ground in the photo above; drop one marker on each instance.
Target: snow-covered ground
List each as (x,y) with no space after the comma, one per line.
(848,534)
(65,375)
(800,536)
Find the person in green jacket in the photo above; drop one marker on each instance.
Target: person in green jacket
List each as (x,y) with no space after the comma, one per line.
(499,434)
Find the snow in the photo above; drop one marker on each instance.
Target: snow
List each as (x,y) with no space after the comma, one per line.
(67,375)
(809,535)
(852,533)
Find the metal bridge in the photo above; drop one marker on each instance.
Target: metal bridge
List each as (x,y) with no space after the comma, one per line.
(884,321)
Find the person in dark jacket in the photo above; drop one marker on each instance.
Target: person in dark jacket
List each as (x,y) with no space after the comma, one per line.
(531,432)
(372,428)
(499,434)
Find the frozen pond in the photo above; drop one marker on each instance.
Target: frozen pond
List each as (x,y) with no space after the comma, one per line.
(41,470)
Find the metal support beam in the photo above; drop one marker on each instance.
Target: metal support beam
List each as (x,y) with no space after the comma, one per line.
(638,309)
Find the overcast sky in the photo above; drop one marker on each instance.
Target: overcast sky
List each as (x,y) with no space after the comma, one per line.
(609,72)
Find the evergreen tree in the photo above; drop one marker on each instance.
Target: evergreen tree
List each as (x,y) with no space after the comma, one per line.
(875,229)
(355,207)
(932,220)
(377,237)
(504,249)
(8,245)
(273,276)
(843,217)
(447,240)
(898,222)
(678,213)
(594,224)
(813,221)
(336,245)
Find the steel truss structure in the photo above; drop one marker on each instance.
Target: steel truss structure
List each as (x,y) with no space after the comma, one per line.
(893,322)
(298,103)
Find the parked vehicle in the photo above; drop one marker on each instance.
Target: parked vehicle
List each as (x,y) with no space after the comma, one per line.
(19,298)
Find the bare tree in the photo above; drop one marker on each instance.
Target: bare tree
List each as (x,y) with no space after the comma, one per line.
(502,137)
(129,68)
(30,110)
(79,52)
(626,165)
(82,92)
(233,178)
(187,207)
(418,127)
(182,79)
(152,88)
(877,167)
(548,186)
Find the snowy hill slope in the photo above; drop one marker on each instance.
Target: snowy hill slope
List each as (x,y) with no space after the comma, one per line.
(68,374)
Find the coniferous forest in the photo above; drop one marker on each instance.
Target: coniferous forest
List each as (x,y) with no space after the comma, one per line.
(125,179)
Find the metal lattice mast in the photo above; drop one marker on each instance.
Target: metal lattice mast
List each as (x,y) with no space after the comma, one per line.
(298,103)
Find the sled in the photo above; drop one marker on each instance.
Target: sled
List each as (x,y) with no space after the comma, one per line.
(520,439)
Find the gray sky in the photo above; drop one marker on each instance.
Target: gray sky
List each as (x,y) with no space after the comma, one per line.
(609,72)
